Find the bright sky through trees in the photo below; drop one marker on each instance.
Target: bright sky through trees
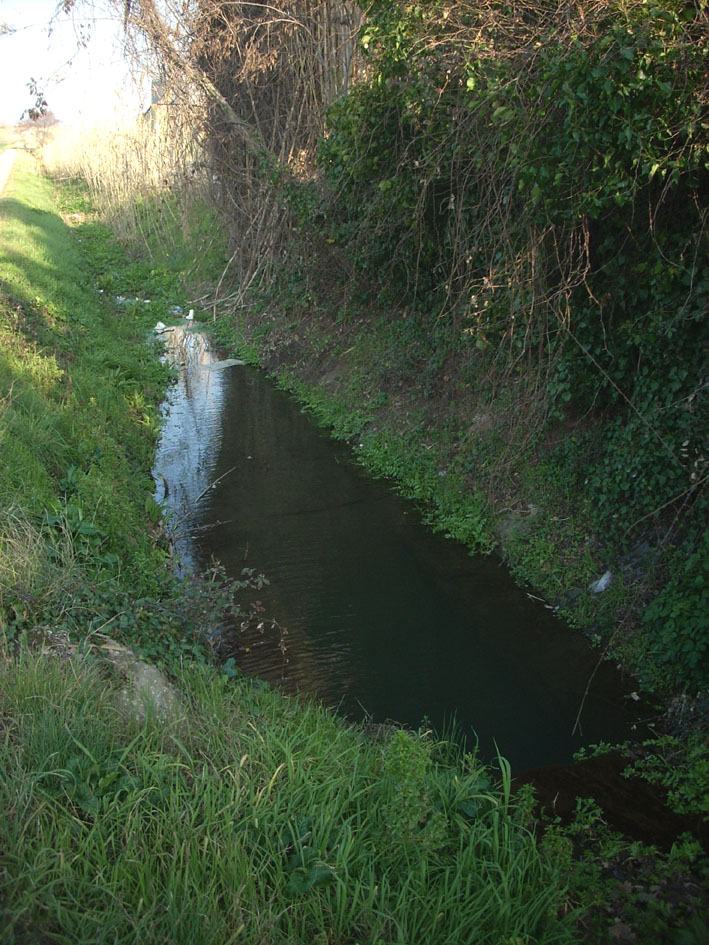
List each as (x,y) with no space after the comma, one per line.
(81,84)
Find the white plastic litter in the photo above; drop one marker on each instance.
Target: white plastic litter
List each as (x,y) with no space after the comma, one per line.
(190,316)
(602,584)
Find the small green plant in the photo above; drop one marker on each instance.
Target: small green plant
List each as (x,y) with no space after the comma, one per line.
(682,767)
(409,811)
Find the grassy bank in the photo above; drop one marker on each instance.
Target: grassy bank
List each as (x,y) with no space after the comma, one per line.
(79,408)
(252,818)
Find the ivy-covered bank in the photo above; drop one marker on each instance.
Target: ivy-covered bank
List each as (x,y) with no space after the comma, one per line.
(500,296)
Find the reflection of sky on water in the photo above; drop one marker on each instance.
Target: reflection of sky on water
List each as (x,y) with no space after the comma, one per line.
(191,437)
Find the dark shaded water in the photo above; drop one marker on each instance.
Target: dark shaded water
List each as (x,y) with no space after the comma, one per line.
(384,618)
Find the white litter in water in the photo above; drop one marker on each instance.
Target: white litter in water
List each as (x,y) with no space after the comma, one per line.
(220,365)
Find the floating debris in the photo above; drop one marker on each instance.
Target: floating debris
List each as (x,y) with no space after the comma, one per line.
(220,365)
(122,300)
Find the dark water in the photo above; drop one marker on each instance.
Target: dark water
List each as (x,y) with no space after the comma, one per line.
(384,618)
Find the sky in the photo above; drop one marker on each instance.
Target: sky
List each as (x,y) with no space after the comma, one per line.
(80,87)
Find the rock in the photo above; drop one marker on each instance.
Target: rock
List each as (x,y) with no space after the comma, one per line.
(638,559)
(175,310)
(602,584)
(568,598)
(145,691)
(148,693)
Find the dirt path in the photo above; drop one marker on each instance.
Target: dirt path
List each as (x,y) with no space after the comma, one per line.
(7,159)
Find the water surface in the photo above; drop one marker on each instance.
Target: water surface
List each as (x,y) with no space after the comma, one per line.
(384,618)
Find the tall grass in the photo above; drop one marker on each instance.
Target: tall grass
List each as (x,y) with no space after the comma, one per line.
(146,177)
(27,572)
(252,819)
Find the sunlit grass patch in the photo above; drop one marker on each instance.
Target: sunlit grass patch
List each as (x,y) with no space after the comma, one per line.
(79,387)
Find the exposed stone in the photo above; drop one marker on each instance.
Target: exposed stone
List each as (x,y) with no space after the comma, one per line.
(638,559)
(568,598)
(147,692)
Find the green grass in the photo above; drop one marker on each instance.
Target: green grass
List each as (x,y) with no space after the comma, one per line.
(79,390)
(253,819)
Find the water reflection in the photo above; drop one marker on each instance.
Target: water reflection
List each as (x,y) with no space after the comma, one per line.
(187,455)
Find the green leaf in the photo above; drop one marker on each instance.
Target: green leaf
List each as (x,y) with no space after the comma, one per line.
(303,880)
